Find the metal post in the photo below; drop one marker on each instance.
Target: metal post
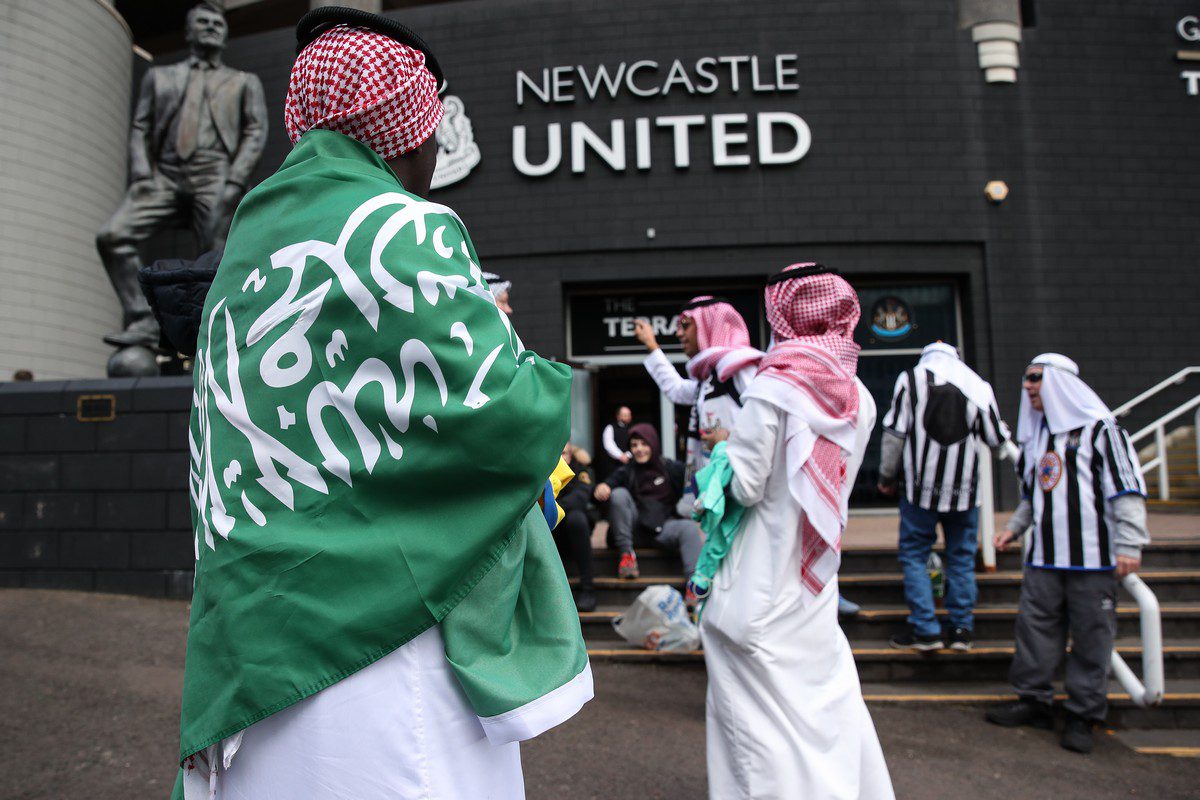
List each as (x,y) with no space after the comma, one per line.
(1151,692)
(1160,439)
(666,422)
(987,511)
(1196,429)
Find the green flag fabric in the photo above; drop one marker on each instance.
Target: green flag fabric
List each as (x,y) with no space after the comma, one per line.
(369,438)
(720,517)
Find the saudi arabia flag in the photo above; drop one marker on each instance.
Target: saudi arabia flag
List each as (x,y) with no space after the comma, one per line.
(369,440)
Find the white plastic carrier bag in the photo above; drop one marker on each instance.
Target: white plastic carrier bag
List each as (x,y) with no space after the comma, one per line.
(658,620)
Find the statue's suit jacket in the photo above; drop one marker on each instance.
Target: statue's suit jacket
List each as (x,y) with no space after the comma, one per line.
(237,106)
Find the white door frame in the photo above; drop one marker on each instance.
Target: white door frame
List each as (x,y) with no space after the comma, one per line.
(666,409)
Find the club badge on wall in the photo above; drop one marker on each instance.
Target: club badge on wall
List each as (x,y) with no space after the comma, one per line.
(457,152)
(891,319)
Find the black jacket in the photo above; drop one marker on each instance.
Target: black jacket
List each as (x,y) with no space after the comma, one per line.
(649,516)
(577,495)
(176,290)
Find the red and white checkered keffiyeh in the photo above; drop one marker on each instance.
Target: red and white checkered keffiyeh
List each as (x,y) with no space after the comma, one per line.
(723,339)
(363,84)
(811,372)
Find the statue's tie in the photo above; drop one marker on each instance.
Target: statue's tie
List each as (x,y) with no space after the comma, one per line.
(189,114)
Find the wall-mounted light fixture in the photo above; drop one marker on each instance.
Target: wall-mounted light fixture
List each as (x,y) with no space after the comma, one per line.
(996,191)
(995,27)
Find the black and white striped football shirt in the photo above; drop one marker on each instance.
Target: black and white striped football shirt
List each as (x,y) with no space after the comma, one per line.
(941,429)
(1069,486)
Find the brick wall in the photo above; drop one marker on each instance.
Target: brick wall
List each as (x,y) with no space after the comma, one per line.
(96,505)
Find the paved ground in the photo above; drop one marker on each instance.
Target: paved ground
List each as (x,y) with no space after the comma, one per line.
(89,691)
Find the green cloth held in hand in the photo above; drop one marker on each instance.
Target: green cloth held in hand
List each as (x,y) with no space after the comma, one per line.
(719,515)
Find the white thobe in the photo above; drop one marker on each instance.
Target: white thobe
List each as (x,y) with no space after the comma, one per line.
(398,729)
(786,717)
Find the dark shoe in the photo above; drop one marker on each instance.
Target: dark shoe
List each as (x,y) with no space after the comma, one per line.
(628,568)
(143,332)
(1077,735)
(911,640)
(585,600)
(1022,712)
(960,640)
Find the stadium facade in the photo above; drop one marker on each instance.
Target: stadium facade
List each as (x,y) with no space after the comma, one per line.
(1009,177)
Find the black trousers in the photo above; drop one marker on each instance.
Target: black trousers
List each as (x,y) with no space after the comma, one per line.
(1056,603)
(574,539)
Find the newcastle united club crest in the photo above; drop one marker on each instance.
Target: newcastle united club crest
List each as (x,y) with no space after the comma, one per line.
(891,319)
(457,152)
(1049,471)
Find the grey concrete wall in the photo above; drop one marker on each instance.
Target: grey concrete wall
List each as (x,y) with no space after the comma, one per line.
(65,101)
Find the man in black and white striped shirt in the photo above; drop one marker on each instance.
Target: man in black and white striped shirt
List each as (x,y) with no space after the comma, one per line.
(941,411)
(1084,500)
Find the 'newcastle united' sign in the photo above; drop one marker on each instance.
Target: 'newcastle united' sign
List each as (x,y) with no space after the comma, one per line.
(734,139)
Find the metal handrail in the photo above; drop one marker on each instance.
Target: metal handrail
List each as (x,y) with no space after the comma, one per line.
(1167,418)
(1149,693)
(1159,427)
(1160,460)
(1176,379)
(987,500)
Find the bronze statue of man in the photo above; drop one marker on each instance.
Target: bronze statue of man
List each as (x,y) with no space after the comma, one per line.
(197,134)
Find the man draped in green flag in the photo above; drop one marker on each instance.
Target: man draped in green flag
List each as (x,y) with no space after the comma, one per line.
(379,609)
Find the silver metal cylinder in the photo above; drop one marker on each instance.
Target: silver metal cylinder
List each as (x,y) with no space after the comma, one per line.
(63,152)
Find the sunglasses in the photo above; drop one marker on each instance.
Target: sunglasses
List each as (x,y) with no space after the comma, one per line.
(1032,377)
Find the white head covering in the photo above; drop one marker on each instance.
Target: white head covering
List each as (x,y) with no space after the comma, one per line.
(942,360)
(496,284)
(1069,403)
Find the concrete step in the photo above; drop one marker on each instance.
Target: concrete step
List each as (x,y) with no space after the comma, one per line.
(1179,621)
(859,561)
(1179,710)
(879,663)
(1180,743)
(1170,584)
(1179,506)
(880,560)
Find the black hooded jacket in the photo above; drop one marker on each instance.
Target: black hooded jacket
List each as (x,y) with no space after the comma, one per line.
(656,486)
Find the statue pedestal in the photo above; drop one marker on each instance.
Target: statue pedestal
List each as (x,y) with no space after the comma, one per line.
(133,362)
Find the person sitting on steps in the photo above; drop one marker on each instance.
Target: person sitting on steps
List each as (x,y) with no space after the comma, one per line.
(642,496)
(574,533)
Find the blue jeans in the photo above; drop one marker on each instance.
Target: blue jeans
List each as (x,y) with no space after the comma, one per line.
(918,532)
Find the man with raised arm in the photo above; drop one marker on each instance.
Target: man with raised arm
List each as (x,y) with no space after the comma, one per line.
(379,608)
(721,364)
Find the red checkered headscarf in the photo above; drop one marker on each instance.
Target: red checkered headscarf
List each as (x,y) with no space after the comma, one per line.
(810,374)
(363,84)
(723,339)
